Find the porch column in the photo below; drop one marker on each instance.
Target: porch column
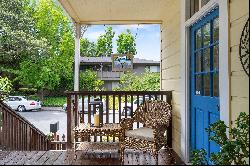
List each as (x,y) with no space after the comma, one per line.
(77,57)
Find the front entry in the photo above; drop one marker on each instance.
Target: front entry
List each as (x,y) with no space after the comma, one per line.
(204,80)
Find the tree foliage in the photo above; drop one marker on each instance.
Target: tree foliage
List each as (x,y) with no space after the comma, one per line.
(126,43)
(147,81)
(88,49)
(5,87)
(18,36)
(89,81)
(104,43)
(56,68)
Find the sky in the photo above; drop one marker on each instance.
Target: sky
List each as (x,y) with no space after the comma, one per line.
(147,41)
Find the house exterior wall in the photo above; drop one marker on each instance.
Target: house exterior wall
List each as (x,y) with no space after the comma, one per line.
(239,13)
(139,69)
(170,66)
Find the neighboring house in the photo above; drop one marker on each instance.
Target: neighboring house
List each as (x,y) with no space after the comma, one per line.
(200,61)
(103,66)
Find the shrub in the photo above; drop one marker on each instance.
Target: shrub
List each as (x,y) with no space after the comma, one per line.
(234,150)
(54,101)
(5,87)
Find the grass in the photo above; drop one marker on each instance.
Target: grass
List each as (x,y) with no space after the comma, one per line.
(54,101)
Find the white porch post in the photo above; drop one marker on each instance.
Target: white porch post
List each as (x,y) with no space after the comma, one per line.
(77,56)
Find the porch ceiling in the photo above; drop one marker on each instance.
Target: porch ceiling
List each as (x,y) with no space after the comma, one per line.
(115,11)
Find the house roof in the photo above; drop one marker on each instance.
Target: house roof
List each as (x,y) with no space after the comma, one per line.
(109,60)
(116,11)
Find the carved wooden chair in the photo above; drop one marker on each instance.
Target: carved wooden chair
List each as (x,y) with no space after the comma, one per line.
(156,118)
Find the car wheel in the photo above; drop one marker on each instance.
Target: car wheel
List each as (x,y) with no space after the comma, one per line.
(123,112)
(21,108)
(128,111)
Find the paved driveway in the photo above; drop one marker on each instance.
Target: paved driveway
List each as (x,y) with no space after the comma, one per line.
(43,119)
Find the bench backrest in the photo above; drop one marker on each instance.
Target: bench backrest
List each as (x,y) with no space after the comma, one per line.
(153,112)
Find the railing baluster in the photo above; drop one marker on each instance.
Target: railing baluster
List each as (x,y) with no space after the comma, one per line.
(107,112)
(76,110)
(138,98)
(69,123)
(89,110)
(94,112)
(113,113)
(143,101)
(126,104)
(101,116)
(132,105)
(83,109)
(1,126)
(120,109)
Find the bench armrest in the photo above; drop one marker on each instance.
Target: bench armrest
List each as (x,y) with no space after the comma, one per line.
(127,123)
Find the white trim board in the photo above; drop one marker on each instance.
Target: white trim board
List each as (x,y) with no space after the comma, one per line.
(224,81)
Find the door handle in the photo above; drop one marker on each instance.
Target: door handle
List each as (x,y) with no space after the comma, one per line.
(218,107)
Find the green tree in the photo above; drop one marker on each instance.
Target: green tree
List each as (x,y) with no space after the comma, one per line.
(5,87)
(56,69)
(18,36)
(88,49)
(89,81)
(104,43)
(148,81)
(126,43)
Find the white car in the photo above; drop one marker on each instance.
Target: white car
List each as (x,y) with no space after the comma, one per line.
(21,104)
(92,99)
(129,108)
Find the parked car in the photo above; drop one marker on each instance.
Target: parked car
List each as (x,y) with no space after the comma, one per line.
(21,103)
(129,108)
(92,99)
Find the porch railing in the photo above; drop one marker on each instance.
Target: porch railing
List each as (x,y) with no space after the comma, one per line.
(16,133)
(116,105)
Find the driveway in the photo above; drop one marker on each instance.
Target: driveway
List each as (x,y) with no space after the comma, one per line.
(43,119)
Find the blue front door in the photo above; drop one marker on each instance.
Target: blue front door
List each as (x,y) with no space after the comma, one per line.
(204,80)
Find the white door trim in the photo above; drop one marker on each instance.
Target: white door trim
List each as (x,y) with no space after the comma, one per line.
(224,81)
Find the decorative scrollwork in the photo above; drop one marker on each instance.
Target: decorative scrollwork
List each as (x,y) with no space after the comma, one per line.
(244,48)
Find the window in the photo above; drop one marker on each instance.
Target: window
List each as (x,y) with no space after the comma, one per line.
(193,6)
(206,61)
(18,99)
(11,99)
(154,69)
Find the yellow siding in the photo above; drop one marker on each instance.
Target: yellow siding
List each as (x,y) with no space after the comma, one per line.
(170,57)
(239,11)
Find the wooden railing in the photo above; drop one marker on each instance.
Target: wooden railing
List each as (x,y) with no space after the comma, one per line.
(16,133)
(116,105)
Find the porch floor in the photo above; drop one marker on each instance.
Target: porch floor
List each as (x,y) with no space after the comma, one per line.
(67,158)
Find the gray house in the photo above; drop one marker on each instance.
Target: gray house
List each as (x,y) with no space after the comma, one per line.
(103,67)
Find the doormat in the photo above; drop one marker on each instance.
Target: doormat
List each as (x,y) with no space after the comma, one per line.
(100,150)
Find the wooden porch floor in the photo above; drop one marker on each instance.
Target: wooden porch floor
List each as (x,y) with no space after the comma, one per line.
(67,158)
